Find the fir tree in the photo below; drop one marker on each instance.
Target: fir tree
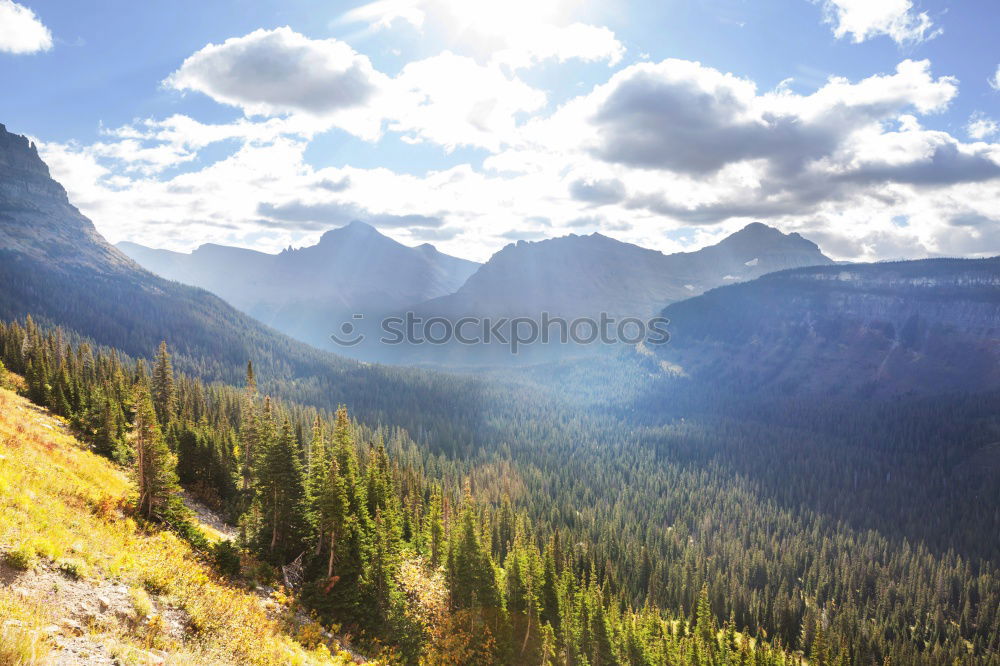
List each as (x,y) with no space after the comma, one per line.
(281,489)
(164,396)
(154,463)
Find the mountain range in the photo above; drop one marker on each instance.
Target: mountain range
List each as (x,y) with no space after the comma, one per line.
(305,292)
(57,268)
(355,269)
(923,326)
(586,275)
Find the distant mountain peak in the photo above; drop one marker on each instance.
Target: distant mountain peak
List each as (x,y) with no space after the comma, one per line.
(760,237)
(588,274)
(355,230)
(359,227)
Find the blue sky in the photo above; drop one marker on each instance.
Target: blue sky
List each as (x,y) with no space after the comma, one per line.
(867,125)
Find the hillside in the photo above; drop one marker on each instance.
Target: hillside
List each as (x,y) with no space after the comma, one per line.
(929,326)
(81,583)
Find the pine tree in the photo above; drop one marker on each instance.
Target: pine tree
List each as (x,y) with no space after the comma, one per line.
(316,457)
(282,493)
(332,514)
(154,463)
(550,594)
(434,538)
(164,395)
(705,627)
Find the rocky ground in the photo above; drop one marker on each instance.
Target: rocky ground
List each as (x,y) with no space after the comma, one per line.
(87,611)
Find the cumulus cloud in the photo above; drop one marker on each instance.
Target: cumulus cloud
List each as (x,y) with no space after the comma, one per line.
(994,80)
(447,99)
(981,127)
(865,19)
(276,72)
(21,31)
(696,146)
(685,117)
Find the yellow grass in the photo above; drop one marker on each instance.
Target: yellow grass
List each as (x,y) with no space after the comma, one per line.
(61,506)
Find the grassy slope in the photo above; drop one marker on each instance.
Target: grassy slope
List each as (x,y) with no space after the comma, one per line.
(60,515)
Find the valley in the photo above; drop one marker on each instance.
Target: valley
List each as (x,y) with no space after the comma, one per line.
(804,474)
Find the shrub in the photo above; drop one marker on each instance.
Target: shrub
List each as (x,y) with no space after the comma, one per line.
(18,646)
(73,567)
(23,557)
(141,603)
(226,557)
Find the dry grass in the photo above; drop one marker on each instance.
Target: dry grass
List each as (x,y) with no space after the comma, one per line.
(61,506)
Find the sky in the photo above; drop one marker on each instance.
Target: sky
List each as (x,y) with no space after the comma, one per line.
(871,127)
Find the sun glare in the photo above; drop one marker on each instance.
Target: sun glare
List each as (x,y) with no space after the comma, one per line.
(491,18)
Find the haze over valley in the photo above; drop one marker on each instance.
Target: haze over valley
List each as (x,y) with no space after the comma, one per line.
(277,282)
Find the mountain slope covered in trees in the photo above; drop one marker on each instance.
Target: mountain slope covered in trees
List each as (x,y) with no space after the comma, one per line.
(654,494)
(930,326)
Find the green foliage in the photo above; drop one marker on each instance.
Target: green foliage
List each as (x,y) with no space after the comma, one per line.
(573,539)
(226,558)
(155,464)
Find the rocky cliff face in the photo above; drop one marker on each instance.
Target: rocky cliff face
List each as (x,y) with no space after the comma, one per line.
(36,218)
(919,326)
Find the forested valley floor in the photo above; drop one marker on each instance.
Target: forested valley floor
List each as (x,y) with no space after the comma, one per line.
(648,523)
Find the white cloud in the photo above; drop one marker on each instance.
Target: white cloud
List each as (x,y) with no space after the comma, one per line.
(865,19)
(21,31)
(659,146)
(515,33)
(980,127)
(383,14)
(312,85)
(281,72)
(994,80)
(681,116)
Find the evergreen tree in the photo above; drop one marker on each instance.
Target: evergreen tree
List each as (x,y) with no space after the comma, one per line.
(434,537)
(282,493)
(154,463)
(164,396)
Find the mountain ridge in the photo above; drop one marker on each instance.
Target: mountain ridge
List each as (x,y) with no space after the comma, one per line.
(583,275)
(923,326)
(305,291)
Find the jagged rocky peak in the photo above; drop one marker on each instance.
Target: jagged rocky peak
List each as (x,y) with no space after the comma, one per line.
(23,174)
(36,216)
